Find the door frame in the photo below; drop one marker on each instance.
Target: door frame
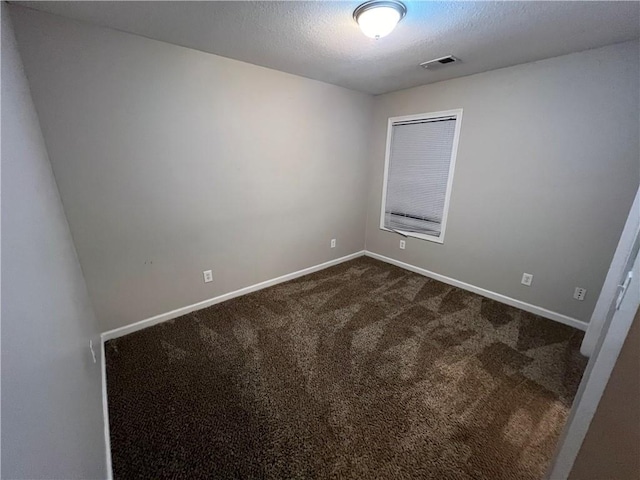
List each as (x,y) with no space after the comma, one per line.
(603,344)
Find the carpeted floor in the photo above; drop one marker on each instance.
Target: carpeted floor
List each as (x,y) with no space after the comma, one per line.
(361,371)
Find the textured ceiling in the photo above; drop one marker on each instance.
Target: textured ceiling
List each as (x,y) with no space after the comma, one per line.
(320,40)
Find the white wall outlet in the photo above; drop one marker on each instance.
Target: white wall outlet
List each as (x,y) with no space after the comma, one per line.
(527,278)
(403,244)
(333,243)
(208,276)
(579,293)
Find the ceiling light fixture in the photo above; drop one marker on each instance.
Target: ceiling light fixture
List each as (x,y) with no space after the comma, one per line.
(378,18)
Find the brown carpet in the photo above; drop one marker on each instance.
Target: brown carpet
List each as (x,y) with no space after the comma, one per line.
(362,371)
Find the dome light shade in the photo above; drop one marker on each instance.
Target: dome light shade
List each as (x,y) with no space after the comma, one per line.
(378,18)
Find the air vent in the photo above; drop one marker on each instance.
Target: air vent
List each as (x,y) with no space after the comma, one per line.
(439,62)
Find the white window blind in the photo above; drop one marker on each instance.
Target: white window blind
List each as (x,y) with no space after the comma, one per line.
(418,173)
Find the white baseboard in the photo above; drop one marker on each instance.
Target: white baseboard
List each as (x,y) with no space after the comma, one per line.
(543,312)
(134,327)
(527,307)
(105,413)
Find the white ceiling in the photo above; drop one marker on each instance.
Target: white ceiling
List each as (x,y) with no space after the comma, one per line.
(320,39)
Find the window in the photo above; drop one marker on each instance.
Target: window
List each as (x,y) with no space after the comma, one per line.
(418,173)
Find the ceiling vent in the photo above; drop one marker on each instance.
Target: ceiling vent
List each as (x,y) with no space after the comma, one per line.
(439,62)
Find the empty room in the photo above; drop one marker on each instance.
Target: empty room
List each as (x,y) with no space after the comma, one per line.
(392,239)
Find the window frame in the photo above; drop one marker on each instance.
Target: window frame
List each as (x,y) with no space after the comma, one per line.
(452,165)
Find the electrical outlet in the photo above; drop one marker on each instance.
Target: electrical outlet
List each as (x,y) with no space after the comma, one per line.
(333,243)
(579,293)
(527,278)
(208,276)
(403,244)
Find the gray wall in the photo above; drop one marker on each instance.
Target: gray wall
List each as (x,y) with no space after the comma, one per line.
(51,400)
(547,168)
(171,161)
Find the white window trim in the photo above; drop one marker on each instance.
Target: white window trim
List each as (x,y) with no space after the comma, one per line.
(454,151)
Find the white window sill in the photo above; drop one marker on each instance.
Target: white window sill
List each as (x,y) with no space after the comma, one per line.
(421,236)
